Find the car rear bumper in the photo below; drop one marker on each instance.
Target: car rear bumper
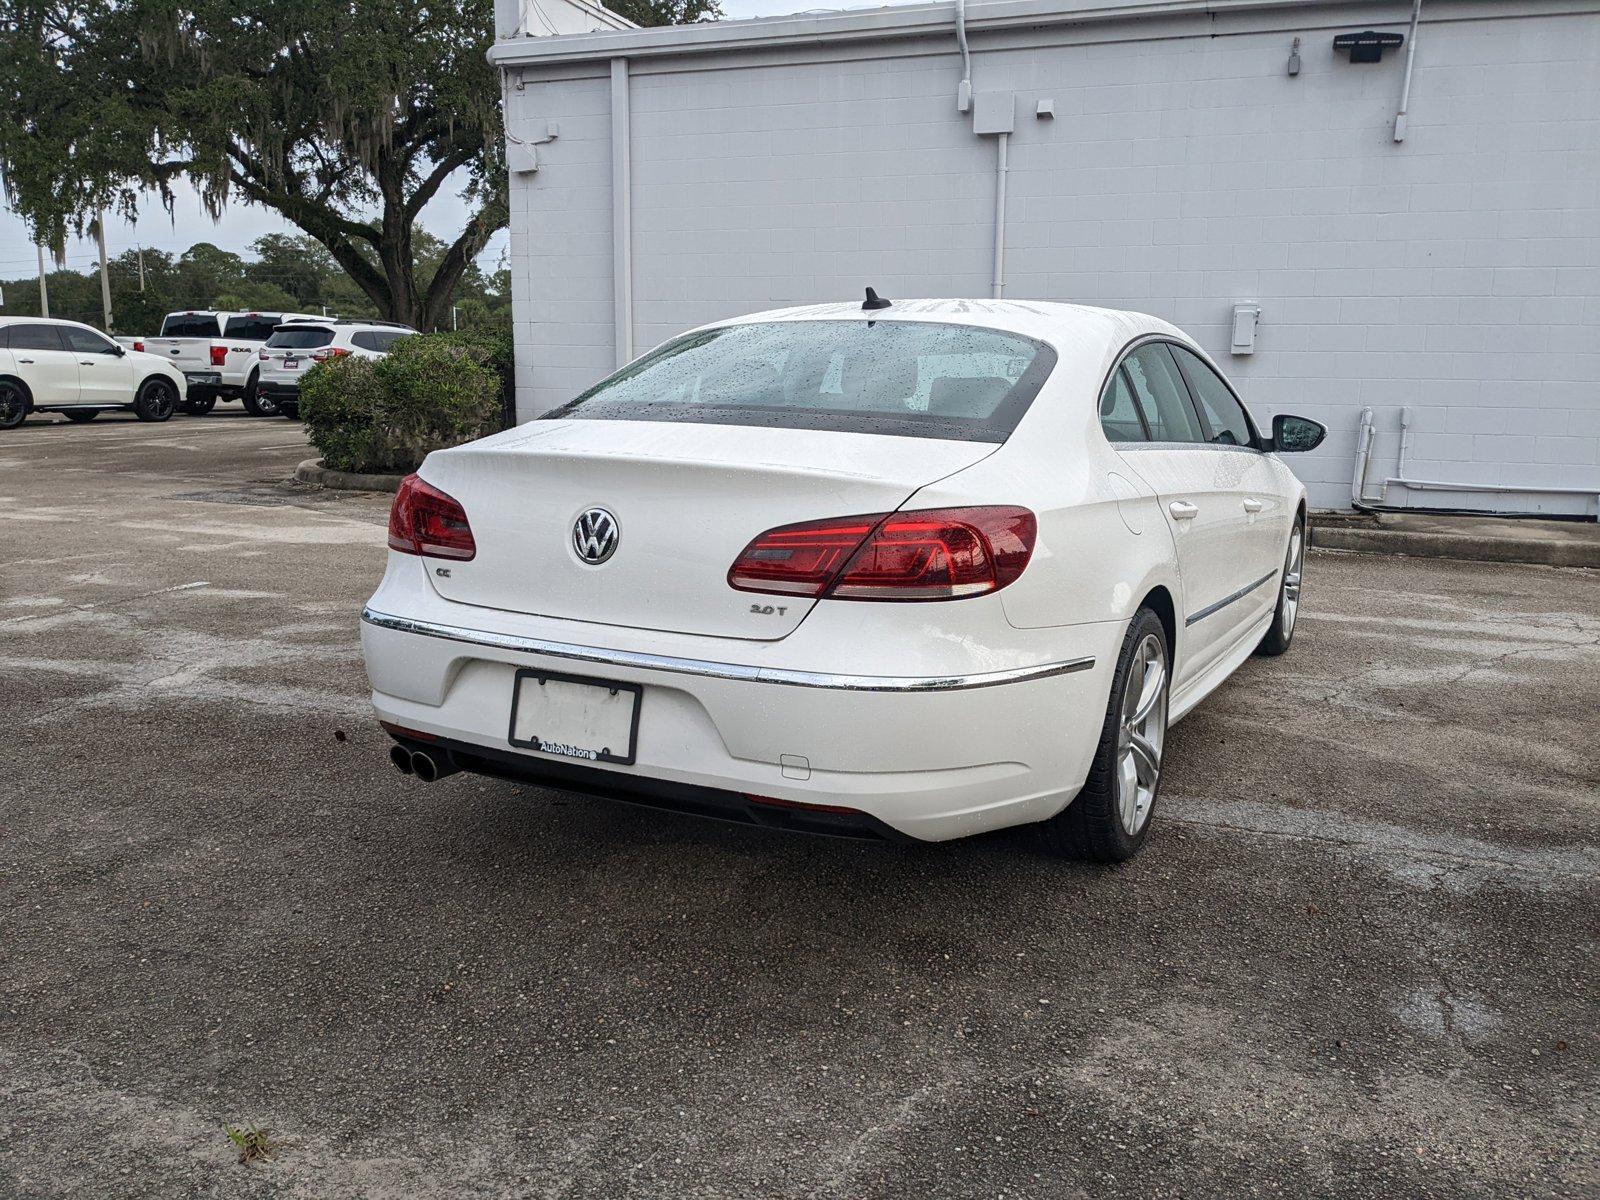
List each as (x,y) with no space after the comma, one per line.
(990,737)
(279,390)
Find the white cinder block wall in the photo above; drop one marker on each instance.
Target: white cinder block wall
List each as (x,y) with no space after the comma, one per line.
(1456,274)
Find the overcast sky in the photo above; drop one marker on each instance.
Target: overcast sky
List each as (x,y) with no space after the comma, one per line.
(241,224)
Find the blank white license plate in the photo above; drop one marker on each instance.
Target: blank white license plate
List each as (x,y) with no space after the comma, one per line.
(591,719)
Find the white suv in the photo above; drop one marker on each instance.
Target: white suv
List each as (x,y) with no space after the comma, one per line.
(65,367)
(294,349)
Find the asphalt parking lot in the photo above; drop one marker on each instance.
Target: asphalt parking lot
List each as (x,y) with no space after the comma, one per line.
(1357,958)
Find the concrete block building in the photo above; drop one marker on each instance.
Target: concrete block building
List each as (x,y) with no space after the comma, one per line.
(1384,215)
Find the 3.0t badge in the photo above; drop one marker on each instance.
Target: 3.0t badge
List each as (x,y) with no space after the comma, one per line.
(595,535)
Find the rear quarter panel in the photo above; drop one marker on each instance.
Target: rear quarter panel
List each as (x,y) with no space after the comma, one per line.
(1103,544)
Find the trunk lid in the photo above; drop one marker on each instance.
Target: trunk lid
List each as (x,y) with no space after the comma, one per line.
(686,499)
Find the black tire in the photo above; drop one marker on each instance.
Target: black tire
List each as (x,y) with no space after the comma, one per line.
(1281,632)
(13,404)
(81,416)
(292,411)
(1093,826)
(199,406)
(157,400)
(255,403)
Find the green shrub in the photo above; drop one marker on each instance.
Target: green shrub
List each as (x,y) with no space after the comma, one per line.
(383,416)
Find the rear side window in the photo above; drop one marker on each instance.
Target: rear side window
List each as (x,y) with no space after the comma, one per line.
(257,327)
(1119,416)
(300,337)
(903,378)
(87,341)
(36,337)
(1160,393)
(190,325)
(375,340)
(1225,418)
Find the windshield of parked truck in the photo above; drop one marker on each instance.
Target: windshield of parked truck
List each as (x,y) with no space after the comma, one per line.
(905,378)
(191,325)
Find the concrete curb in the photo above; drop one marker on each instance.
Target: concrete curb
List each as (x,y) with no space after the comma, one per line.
(1344,533)
(312,471)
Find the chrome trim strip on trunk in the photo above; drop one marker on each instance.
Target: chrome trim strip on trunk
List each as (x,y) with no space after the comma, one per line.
(722,670)
(1209,609)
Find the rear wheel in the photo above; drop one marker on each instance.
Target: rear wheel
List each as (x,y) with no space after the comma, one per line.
(81,415)
(13,404)
(1281,631)
(157,400)
(292,411)
(255,403)
(199,406)
(1110,818)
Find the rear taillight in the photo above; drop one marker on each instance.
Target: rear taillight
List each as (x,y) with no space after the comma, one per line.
(330,352)
(263,356)
(424,520)
(932,554)
(138,346)
(219,355)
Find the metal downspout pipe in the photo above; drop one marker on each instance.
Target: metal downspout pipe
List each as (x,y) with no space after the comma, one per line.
(1411,58)
(621,214)
(1002,168)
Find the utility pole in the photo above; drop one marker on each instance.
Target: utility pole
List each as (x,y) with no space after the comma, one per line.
(105,279)
(141,270)
(44,286)
(455,318)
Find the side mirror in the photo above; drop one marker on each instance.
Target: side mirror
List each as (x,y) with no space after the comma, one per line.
(118,349)
(1296,435)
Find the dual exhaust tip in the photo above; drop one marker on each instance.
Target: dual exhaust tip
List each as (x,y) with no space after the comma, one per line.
(427,765)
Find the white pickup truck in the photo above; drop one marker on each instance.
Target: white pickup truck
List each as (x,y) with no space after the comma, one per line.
(216,351)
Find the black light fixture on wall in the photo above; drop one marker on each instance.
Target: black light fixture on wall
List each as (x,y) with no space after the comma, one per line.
(1368,45)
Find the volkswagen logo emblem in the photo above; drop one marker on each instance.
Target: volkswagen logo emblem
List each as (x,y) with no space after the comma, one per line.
(594,536)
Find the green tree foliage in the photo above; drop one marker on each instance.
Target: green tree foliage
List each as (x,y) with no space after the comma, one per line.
(289,273)
(346,118)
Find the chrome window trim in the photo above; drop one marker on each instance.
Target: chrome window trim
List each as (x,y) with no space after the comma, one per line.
(1211,609)
(721,670)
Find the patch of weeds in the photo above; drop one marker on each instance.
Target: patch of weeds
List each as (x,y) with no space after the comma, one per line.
(253,1144)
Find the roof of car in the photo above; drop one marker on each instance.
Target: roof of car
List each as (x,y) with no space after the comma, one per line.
(46,321)
(1047,319)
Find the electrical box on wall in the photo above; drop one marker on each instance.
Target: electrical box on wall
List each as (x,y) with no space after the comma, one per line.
(1245,317)
(994,112)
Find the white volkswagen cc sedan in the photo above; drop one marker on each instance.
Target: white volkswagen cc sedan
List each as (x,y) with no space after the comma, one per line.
(919,569)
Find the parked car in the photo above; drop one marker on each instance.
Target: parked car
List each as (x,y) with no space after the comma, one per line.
(216,351)
(61,366)
(292,350)
(916,570)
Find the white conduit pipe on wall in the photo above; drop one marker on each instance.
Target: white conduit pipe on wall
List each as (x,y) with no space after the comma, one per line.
(1367,434)
(1405,88)
(1002,167)
(621,214)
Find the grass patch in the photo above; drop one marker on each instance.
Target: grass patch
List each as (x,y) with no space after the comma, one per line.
(252,1144)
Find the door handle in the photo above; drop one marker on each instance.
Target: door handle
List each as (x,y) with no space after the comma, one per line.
(83,363)
(25,360)
(1252,505)
(1182,510)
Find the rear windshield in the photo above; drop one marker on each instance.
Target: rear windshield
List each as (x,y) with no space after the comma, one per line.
(190,325)
(300,337)
(253,328)
(906,378)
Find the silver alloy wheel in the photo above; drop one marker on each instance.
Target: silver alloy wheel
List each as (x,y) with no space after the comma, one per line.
(1141,733)
(1294,567)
